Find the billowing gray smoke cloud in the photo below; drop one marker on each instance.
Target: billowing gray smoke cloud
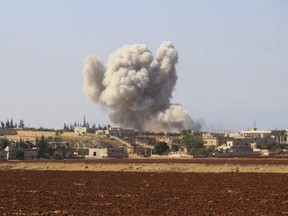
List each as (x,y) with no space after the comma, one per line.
(137,88)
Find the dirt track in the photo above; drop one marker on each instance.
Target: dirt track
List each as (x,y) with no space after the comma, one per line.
(133,193)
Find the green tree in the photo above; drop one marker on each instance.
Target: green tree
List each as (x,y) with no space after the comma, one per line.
(3,143)
(160,148)
(174,148)
(186,132)
(50,139)
(58,139)
(45,151)
(65,127)
(193,143)
(12,123)
(84,122)
(21,124)
(7,125)
(202,151)
(273,146)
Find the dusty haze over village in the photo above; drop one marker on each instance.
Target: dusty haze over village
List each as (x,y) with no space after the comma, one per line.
(230,64)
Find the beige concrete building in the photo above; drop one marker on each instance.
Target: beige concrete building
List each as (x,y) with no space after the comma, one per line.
(254,133)
(119,132)
(281,136)
(107,153)
(209,139)
(21,154)
(80,130)
(214,139)
(238,147)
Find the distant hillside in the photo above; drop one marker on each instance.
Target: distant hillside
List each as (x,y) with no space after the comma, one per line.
(89,140)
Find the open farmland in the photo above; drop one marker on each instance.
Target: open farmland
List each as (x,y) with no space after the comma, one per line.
(142,193)
(260,164)
(254,186)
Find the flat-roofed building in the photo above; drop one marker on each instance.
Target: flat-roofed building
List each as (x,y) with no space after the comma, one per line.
(80,130)
(254,133)
(109,152)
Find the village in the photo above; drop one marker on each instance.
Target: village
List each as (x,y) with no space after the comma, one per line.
(114,142)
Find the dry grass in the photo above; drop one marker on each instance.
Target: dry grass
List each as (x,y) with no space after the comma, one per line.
(144,167)
(70,137)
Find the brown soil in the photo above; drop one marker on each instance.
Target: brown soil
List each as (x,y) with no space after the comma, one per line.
(208,161)
(140,193)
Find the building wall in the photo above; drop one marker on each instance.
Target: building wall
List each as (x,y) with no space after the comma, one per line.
(3,155)
(27,153)
(237,145)
(117,153)
(98,153)
(237,154)
(100,132)
(4,132)
(11,154)
(30,154)
(215,139)
(119,132)
(254,133)
(282,139)
(240,145)
(80,130)
(107,153)
(210,141)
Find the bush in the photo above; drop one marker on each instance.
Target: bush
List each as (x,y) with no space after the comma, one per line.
(174,148)
(160,148)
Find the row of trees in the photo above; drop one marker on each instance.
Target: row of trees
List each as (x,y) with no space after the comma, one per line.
(10,124)
(274,146)
(4,142)
(90,129)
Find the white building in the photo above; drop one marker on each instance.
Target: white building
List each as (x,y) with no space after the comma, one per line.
(238,147)
(119,132)
(80,130)
(26,154)
(107,153)
(254,133)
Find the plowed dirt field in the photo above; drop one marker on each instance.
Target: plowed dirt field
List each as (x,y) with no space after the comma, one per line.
(32,192)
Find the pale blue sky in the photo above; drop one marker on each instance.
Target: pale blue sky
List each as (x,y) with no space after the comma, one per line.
(233,57)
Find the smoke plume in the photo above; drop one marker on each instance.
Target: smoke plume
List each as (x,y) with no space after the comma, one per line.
(137,88)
